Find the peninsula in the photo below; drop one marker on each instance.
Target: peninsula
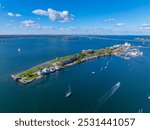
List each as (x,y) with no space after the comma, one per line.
(59,63)
(143,39)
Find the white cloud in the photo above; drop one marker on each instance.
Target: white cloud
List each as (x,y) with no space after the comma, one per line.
(40,12)
(120,24)
(13,15)
(109,20)
(18,15)
(145,26)
(61,29)
(30,23)
(47,27)
(73,27)
(10,14)
(54,15)
(70,28)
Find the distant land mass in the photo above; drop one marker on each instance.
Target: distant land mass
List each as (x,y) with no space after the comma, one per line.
(143,39)
(33,36)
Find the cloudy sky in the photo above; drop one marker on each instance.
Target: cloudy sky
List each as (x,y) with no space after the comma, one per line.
(75,17)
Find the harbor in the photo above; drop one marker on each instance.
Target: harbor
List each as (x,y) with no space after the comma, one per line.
(89,80)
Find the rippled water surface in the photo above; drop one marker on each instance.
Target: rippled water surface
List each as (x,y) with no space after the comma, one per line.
(88,88)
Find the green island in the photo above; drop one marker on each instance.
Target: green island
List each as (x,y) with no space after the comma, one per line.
(44,69)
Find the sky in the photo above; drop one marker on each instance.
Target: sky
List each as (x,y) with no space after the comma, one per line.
(100,17)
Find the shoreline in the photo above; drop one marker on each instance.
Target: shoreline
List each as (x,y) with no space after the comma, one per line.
(39,71)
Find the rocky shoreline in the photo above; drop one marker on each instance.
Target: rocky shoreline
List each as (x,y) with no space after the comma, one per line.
(58,64)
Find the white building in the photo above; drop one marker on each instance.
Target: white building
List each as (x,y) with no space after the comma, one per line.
(46,71)
(127,44)
(39,73)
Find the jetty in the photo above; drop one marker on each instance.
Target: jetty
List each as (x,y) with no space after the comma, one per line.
(44,69)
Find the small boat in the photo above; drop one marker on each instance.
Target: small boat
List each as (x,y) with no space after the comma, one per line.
(93,72)
(106,67)
(19,50)
(68,93)
(148,97)
(118,84)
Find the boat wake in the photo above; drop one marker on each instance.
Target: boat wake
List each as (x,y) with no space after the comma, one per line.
(105,97)
(140,110)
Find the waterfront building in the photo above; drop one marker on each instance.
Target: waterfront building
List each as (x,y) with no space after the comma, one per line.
(46,71)
(39,73)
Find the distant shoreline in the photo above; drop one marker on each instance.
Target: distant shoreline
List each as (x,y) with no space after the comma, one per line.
(55,35)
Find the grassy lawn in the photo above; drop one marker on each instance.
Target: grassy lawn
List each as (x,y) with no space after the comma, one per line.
(30,74)
(61,58)
(103,51)
(26,73)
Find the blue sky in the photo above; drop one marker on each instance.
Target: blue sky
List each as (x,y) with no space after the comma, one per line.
(75,17)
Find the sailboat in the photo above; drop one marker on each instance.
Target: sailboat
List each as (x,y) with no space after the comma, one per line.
(69,92)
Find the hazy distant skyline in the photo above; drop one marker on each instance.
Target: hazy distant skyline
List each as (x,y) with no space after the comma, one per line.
(125,17)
